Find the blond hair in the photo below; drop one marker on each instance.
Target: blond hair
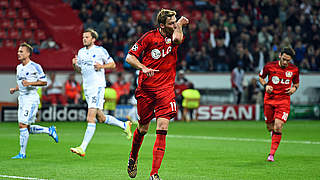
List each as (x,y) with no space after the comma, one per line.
(28,46)
(164,14)
(93,33)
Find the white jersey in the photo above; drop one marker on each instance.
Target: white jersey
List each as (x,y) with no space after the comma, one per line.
(30,72)
(87,58)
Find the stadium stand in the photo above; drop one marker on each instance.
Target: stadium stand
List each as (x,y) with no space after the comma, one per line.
(257,29)
(57,20)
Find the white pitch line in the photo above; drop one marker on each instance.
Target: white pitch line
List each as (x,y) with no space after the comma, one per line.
(241,139)
(18,177)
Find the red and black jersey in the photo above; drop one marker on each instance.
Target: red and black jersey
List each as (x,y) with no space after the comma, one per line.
(159,53)
(280,79)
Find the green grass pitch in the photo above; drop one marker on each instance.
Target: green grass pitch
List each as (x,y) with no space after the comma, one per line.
(195,151)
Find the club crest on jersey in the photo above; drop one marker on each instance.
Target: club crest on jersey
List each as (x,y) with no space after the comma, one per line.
(134,47)
(288,74)
(168,40)
(275,80)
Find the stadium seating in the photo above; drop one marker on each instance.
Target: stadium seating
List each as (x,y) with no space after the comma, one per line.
(3,34)
(27,34)
(5,23)
(196,15)
(13,34)
(8,43)
(24,13)
(16,4)
(4,4)
(136,15)
(153,5)
(32,24)
(11,13)
(148,15)
(164,4)
(177,5)
(19,23)
(40,35)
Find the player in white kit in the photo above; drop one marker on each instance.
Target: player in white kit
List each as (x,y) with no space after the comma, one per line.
(91,62)
(29,76)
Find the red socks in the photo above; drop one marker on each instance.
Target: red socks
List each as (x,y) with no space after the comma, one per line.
(276,138)
(158,150)
(136,144)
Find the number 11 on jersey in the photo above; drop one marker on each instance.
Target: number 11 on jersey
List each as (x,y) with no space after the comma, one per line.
(173,106)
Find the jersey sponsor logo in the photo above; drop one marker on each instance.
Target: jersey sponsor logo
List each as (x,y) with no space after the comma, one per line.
(155,53)
(289,74)
(134,47)
(275,80)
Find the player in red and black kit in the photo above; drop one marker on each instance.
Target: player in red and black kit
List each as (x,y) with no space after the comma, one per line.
(283,81)
(155,92)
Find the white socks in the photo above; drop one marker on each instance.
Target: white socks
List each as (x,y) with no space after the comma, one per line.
(114,121)
(36,129)
(88,135)
(24,136)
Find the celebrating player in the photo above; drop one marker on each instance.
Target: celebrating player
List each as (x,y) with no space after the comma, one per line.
(91,62)
(155,91)
(283,81)
(29,76)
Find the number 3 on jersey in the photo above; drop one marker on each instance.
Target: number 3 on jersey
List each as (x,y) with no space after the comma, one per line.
(173,106)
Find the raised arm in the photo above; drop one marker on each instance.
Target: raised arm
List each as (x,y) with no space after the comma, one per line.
(178,33)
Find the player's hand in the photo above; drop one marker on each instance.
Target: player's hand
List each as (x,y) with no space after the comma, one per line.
(98,66)
(25,83)
(12,90)
(269,89)
(183,21)
(75,60)
(149,72)
(290,91)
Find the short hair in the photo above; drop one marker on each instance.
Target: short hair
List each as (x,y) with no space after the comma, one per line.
(93,33)
(289,51)
(164,14)
(28,46)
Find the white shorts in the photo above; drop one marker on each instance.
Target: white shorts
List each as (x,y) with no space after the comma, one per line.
(27,113)
(95,97)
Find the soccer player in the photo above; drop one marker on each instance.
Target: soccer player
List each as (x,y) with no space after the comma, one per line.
(29,77)
(155,92)
(283,81)
(91,62)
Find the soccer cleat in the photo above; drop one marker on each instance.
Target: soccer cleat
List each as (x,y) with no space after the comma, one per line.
(19,156)
(132,168)
(78,150)
(154,177)
(270,158)
(128,129)
(53,133)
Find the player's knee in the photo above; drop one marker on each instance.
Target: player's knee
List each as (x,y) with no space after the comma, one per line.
(143,131)
(278,128)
